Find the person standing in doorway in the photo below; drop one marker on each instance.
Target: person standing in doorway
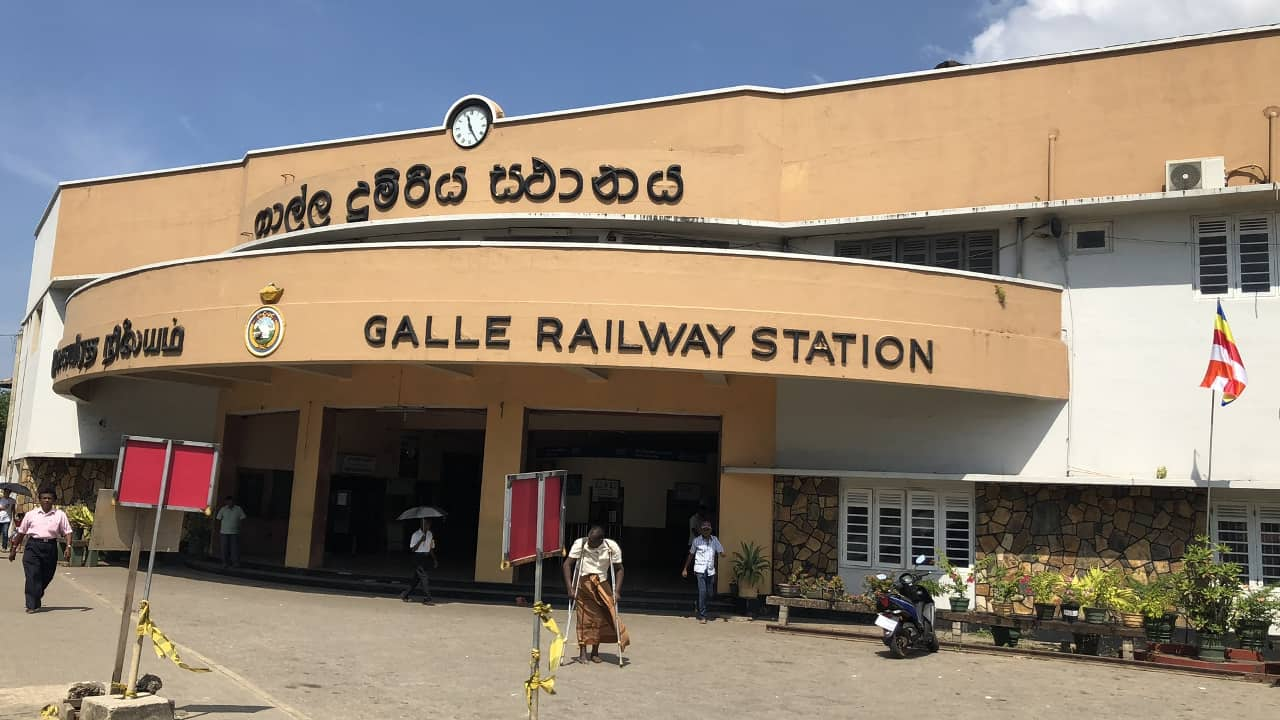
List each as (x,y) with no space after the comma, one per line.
(586,580)
(230,515)
(7,508)
(704,553)
(700,516)
(421,544)
(40,531)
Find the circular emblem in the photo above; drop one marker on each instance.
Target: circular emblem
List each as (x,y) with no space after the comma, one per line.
(264,331)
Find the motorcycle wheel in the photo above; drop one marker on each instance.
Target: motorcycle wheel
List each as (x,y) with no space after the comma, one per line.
(899,645)
(934,645)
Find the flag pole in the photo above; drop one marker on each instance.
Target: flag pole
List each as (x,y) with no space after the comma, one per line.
(1208,493)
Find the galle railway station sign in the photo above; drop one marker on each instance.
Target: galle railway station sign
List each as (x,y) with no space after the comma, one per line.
(419,186)
(588,337)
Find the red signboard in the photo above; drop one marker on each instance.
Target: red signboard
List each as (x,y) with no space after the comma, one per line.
(520,532)
(140,473)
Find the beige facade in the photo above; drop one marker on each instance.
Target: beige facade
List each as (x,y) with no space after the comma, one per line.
(398,295)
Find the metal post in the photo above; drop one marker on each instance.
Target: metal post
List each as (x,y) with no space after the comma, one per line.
(126,610)
(130,689)
(1208,482)
(537,590)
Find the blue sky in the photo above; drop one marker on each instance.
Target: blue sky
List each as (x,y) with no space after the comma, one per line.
(91,89)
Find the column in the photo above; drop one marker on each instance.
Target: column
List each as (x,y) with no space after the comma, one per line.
(746,501)
(309,506)
(503,455)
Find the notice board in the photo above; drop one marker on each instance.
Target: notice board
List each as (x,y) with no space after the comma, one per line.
(520,531)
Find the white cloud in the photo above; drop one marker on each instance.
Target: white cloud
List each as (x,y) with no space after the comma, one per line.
(1022,28)
(55,139)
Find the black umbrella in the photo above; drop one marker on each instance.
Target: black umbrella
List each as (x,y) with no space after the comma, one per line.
(16,488)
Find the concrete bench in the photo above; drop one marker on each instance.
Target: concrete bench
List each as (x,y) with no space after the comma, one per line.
(1029,624)
(784,605)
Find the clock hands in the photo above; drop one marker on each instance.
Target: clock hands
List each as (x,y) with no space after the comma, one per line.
(474,135)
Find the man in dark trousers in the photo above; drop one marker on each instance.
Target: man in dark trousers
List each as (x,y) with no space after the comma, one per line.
(422,544)
(39,532)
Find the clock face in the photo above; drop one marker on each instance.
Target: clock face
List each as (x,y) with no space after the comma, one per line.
(470,126)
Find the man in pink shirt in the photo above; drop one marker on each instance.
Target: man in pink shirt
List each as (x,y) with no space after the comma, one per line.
(39,532)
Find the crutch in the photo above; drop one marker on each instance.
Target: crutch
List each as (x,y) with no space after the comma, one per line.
(617,617)
(568,626)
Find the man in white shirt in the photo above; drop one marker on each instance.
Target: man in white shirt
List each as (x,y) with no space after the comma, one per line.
(7,505)
(230,515)
(586,580)
(422,544)
(704,552)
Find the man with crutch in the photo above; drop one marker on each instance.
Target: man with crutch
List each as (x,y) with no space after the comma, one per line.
(593,579)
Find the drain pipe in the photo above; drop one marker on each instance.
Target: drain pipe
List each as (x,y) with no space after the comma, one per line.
(1019,243)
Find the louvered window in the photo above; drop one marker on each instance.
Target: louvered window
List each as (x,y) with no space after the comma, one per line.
(889,528)
(857,527)
(1254,246)
(1251,534)
(975,251)
(1269,544)
(980,252)
(959,526)
(1235,255)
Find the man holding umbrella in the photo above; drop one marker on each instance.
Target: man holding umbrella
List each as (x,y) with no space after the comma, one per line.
(422,544)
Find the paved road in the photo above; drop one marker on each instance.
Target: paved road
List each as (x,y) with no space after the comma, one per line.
(282,652)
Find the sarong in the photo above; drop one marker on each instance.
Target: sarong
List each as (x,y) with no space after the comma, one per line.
(596,614)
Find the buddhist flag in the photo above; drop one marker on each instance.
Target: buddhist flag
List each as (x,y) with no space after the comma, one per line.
(1226,369)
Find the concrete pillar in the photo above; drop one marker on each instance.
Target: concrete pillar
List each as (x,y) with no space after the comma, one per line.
(746,501)
(504,436)
(309,507)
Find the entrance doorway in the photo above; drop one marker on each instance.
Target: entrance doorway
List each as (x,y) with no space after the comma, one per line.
(386,462)
(640,477)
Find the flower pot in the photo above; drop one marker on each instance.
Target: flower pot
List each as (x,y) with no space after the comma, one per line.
(1131,620)
(1070,612)
(828,594)
(1045,611)
(1002,608)
(1253,634)
(1211,647)
(959,604)
(788,590)
(1159,629)
(1095,615)
(1006,636)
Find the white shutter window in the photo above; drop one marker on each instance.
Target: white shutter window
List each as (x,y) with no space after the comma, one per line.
(924,524)
(857,528)
(914,251)
(946,252)
(957,515)
(1269,543)
(1254,245)
(980,252)
(1231,528)
(1213,262)
(881,250)
(889,527)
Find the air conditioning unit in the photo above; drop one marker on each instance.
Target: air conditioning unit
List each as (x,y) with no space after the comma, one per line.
(1195,174)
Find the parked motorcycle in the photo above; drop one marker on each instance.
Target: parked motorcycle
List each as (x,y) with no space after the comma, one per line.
(906,614)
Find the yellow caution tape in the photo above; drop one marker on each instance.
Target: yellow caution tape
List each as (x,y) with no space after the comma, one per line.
(536,681)
(164,647)
(49,711)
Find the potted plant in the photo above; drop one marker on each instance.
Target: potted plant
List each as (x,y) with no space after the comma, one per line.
(749,568)
(1207,591)
(1044,588)
(196,535)
(1156,603)
(953,584)
(1069,597)
(791,588)
(876,586)
(1254,613)
(833,588)
(1101,591)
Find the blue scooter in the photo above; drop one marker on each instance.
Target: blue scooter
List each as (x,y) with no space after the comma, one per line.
(906,614)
